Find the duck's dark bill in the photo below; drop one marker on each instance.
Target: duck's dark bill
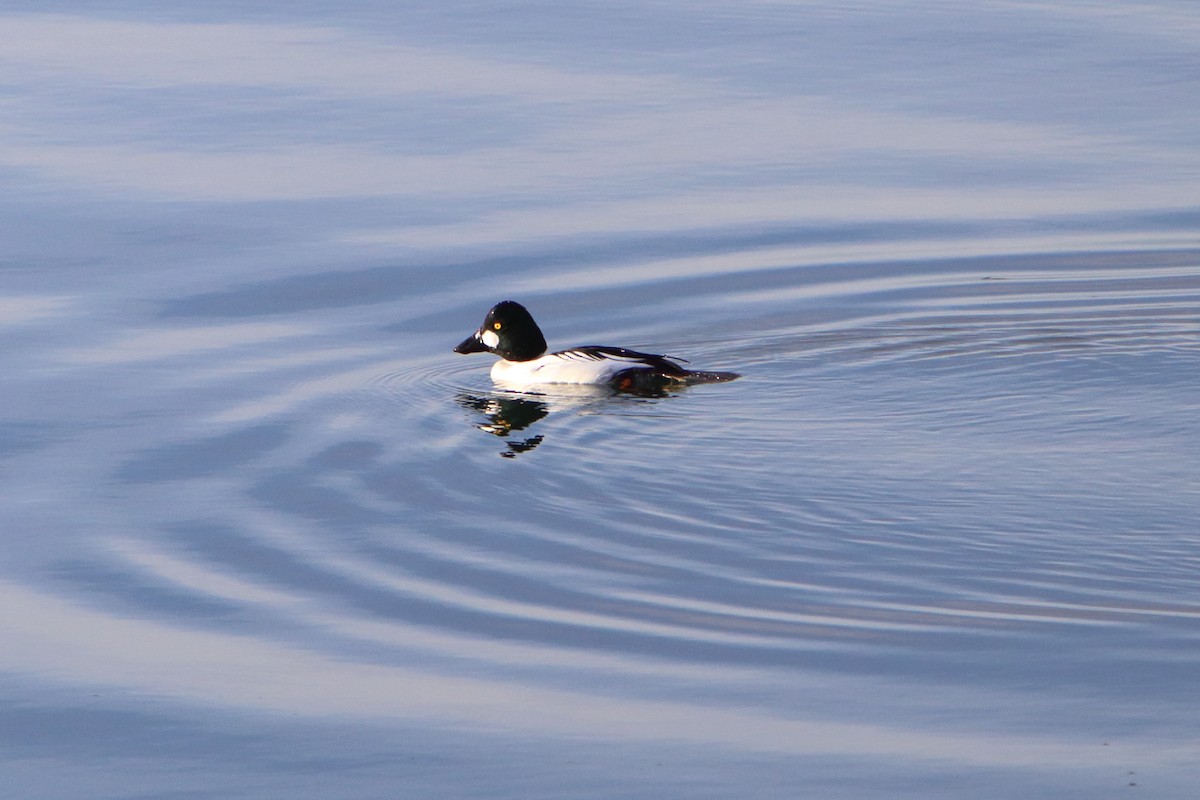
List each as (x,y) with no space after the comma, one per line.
(471,345)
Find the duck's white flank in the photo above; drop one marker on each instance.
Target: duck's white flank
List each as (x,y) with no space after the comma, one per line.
(568,366)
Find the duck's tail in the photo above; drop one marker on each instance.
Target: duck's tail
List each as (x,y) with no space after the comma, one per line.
(693,378)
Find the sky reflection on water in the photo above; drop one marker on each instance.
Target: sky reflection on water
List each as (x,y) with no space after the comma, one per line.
(264,529)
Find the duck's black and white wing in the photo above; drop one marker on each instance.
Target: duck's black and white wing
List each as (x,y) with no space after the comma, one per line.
(615,360)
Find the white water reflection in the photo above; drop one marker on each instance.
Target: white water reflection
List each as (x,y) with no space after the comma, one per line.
(158,345)
(29,309)
(549,128)
(249,673)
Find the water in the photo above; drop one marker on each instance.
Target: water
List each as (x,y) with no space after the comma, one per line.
(266,536)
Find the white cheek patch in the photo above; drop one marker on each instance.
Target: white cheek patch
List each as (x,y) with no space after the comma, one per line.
(489,338)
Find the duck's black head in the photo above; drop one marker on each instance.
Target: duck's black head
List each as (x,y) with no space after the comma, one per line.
(508,331)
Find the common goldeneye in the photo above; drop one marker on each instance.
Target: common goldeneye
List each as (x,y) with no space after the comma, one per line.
(510,332)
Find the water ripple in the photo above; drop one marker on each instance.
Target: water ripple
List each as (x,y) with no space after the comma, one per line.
(887,477)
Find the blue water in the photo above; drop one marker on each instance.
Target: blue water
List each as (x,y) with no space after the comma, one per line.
(266,536)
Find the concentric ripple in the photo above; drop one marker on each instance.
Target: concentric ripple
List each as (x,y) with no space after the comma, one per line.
(923,468)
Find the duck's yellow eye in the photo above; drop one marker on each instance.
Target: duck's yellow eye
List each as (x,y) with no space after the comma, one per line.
(496,325)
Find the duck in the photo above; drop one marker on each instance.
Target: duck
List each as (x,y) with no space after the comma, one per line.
(510,332)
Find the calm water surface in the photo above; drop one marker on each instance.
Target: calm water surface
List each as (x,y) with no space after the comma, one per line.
(266,536)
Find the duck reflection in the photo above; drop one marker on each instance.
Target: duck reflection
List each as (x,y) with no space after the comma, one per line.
(506,413)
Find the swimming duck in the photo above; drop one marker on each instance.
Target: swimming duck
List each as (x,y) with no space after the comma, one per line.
(509,331)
